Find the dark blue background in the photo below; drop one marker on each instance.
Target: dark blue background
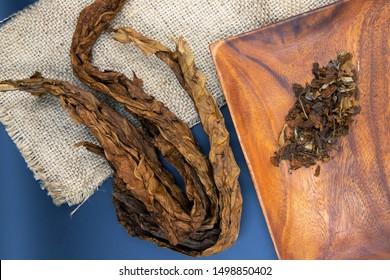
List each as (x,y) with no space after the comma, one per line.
(32,227)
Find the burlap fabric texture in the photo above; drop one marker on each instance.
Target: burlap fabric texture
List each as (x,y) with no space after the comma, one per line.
(38,39)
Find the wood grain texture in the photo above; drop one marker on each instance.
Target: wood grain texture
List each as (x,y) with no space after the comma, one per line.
(345,212)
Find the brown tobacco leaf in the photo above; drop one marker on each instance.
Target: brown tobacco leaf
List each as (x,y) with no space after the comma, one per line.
(221,157)
(323,113)
(129,35)
(206,218)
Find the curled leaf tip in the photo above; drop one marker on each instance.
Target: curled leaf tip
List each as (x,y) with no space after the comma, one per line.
(6,87)
(146,45)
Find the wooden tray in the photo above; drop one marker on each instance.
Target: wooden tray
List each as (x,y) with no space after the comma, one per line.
(345,212)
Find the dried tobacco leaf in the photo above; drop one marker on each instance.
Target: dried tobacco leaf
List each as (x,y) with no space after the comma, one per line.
(206,218)
(225,169)
(323,112)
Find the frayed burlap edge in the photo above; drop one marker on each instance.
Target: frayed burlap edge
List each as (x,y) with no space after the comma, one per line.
(55,191)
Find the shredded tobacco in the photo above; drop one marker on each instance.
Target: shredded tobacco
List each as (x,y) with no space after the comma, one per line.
(203,220)
(323,112)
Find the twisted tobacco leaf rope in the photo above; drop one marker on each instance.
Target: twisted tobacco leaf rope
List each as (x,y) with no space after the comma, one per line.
(202,221)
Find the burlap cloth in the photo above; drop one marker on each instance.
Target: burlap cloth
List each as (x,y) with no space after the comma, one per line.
(38,39)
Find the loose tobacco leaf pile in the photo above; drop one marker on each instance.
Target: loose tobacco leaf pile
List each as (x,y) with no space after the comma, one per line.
(203,220)
(323,113)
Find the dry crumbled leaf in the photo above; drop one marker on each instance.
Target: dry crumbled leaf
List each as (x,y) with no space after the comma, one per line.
(323,113)
(282,136)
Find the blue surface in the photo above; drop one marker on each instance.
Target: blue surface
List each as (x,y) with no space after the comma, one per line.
(32,227)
